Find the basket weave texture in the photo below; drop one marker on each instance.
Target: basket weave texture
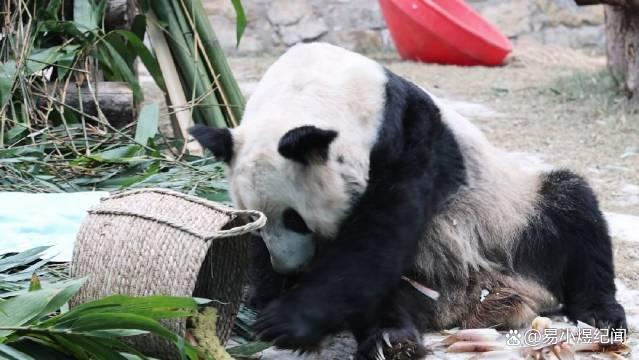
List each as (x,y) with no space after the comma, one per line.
(157,241)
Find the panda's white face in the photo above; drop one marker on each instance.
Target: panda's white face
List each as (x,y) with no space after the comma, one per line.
(331,90)
(302,203)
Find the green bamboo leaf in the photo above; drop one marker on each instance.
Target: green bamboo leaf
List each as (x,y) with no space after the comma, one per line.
(119,320)
(66,291)
(53,7)
(120,68)
(99,11)
(119,44)
(249,349)
(95,347)
(39,348)
(9,353)
(7,77)
(41,58)
(147,125)
(115,333)
(138,26)
(70,347)
(66,28)
(127,350)
(36,266)
(154,307)
(240,21)
(22,309)
(148,59)
(23,258)
(117,155)
(86,15)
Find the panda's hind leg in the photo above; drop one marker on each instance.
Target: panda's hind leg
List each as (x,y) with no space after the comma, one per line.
(568,249)
(505,302)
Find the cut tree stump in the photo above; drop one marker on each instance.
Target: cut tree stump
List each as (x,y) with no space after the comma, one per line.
(115,98)
(622,31)
(622,43)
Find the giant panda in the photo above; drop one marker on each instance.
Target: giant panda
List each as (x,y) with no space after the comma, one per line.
(373,189)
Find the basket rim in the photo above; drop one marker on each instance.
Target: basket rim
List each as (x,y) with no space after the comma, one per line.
(258,218)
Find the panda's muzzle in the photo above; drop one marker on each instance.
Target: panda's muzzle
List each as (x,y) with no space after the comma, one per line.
(290,252)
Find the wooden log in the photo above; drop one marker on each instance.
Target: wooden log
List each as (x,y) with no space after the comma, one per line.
(622,43)
(114,98)
(118,13)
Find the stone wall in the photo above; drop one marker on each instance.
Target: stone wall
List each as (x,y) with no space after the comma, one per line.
(358,24)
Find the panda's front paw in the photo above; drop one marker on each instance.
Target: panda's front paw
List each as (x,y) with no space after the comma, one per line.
(290,326)
(609,315)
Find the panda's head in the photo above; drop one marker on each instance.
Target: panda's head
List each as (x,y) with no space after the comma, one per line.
(301,154)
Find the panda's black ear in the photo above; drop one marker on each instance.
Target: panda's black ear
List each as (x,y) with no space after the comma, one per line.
(306,144)
(219,141)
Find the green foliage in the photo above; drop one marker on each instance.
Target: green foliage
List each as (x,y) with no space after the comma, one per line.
(48,146)
(17,271)
(33,324)
(240,19)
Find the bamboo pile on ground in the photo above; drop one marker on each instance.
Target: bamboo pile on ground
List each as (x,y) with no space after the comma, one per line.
(55,134)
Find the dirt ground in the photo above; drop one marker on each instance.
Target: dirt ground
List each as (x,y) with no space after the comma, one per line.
(548,105)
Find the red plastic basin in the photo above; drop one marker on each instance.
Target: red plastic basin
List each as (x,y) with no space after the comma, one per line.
(444,32)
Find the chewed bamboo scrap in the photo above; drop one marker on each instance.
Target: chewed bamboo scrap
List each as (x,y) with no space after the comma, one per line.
(474,335)
(491,344)
(422,289)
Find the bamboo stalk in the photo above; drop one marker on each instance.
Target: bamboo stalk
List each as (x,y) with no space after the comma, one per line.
(230,89)
(188,71)
(171,76)
(191,37)
(232,121)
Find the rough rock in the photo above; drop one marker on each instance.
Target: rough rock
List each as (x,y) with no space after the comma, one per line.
(287,12)
(306,30)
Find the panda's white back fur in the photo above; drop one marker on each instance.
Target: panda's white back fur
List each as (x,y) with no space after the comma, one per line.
(494,206)
(332,88)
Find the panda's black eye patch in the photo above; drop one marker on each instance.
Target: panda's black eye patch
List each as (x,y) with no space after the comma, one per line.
(294,222)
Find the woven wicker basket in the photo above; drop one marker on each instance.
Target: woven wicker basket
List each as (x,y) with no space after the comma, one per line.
(156,241)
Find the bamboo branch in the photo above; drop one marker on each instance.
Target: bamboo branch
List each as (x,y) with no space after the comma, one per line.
(215,53)
(191,72)
(171,76)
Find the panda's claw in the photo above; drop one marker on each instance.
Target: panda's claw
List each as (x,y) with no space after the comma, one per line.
(386,338)
(380,352)
(391,344)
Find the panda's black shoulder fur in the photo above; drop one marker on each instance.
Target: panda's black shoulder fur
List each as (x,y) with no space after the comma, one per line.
(414,137)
